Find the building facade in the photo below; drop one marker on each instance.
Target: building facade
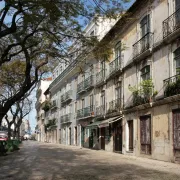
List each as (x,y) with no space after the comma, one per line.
(40,114)
(127,102)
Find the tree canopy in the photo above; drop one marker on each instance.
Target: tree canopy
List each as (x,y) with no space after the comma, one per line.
(36,34)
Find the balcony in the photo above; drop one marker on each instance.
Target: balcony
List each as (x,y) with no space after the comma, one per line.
(115,67)
(101,110)
(66,97)
(54,104)
(85,113)
(80,88)
(171,24)
(114,106)
(89,82)
(101,77)
(172,86)
(142,45)
(66,118)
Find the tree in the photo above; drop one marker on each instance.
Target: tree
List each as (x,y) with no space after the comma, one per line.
(18,112)
(38,34)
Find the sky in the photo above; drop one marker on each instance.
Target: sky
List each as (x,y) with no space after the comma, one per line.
(32,115)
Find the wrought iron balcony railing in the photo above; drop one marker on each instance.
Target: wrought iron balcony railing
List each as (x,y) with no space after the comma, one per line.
(143,44)
(66,96)
(85,112)
(172,86)
(54,104)
(66,118)
(101,76)
(80,87)
(115,66)
(101,110)
(89,82)
(115,106)
(171,24)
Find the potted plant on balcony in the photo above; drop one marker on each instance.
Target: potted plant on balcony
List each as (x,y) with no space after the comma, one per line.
(46,105)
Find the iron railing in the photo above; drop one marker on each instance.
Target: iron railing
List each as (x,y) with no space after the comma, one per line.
(101,110)
(171,24)
(54,104)
(66,118)
(89,82)
(172,86)
(115,66)
(85,112)
(100,76)
(80,87)
(115,106)
(66,96)
(143,44)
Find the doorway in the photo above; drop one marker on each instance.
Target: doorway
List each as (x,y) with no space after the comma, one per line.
(102,138)
(145,134)
(69,136)
(75,138)
(82,136)
(131,137)
(176,134)
(117,136)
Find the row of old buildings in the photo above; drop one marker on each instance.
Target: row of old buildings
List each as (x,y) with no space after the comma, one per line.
(127,102)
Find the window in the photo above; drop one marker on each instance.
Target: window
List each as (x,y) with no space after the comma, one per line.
(83,103)
(118,53)
(177,4)
(177,60)
(91,100)
(75,107)
(145,73)
(92,33)
(145,25)
(103,68)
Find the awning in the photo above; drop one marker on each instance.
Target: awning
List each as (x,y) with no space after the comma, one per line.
(106,122)
(94,124)
(114,120)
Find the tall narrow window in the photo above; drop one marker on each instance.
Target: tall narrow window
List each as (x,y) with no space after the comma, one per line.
(103,68)
(145,73)
(117,54)
(75,108)
(83,103)
(91,102)
(145,25)
(177,60)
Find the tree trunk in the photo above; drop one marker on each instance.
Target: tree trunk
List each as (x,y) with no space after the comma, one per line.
(9,131)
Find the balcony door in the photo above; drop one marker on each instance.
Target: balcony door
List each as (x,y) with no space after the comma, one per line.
(177,14)
(117,54)
(91,100)
(177,61)
(145,29)
(118,95)
(103,66)
(102,102)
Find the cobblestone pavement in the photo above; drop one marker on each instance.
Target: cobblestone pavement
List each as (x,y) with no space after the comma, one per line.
(43,161)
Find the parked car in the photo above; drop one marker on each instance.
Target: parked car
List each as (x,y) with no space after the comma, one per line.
(3,136)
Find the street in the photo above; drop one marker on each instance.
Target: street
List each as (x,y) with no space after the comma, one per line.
(43,161)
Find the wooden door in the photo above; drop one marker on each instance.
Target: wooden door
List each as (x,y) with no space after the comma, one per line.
(90,138)
(176,134)
(117,136)
(82,136)
(145,134)
(69,136)
(131,137)
(102,138)
(75,136)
